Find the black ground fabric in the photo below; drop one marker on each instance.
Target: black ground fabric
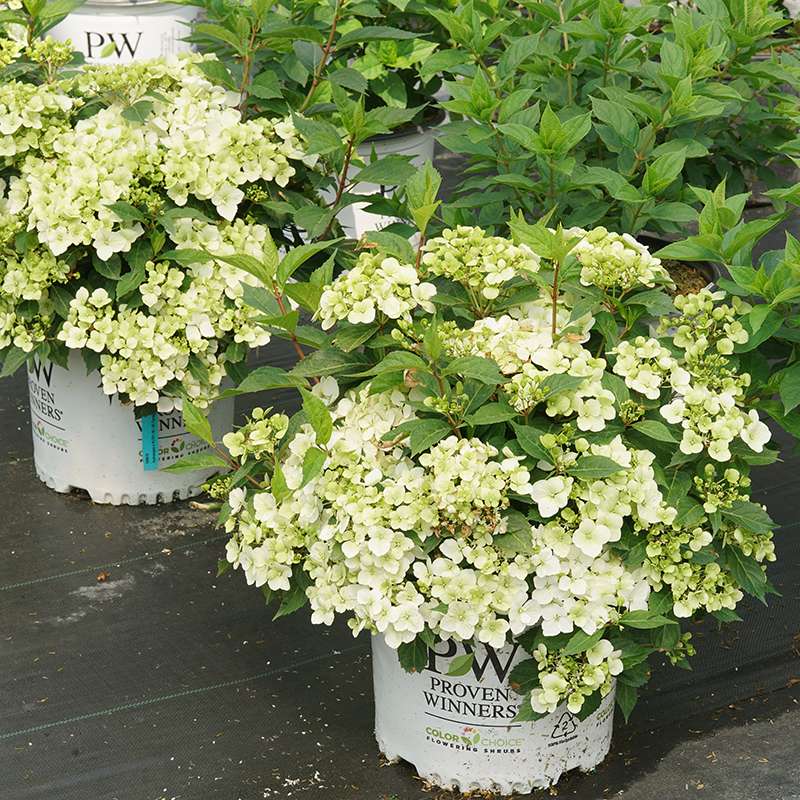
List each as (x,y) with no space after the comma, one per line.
(164,682)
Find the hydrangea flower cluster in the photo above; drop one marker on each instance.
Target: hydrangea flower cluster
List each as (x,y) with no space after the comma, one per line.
(613,260)
(480,263)
(377,284)
(503,485)
(574,679)
(708,396)
(143,349)
(96,199)
(258,438)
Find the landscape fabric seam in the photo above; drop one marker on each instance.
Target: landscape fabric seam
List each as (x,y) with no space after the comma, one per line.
(144,557)
(184,693)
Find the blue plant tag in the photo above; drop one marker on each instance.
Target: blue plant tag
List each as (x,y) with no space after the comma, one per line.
(150,441)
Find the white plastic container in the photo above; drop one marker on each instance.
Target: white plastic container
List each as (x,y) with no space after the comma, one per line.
(84,439)
(418,144)
(135,30)
(458,731)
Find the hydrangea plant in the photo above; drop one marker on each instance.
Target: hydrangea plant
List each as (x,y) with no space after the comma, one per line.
(613,114)
(352,70)
(130,198)
(504,439)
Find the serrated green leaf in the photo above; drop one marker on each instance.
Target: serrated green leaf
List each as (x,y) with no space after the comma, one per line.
(318,415)
(195,421)
(196,462)
(593,468)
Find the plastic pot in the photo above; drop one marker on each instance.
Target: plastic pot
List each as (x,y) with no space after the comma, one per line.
(131,31)
(84,439)
(458,732)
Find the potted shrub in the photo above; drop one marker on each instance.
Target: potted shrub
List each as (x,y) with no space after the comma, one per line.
(500,473)
(613,115)
(353,66)
(112,181)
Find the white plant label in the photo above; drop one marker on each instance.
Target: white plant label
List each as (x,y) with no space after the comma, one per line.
(111,39)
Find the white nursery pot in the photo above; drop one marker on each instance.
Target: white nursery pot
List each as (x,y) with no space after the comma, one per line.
(84,439)
(458,731)
(418,144)
(137,30)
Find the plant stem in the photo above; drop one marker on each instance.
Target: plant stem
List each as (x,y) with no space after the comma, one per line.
(323,62)
(282,306)
(419,250)
(554,299)
(342,181)
(247,65)
(565,43)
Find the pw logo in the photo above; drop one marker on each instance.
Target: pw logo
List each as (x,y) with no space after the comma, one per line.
(565,726)
(41,370)
(119,43)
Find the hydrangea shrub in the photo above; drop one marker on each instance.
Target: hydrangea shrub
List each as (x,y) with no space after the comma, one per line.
(510,438)
(131,198)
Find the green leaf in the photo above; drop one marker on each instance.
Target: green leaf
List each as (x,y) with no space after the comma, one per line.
(480,369)
(694,248)
(461,665)
(426,433)
(643,620)
(138,112)
(748,516)
(330,362)
(249,264)
(15,358)
(662,172)
(131,281)
(126,212)
(528,438)
(296,597)
(278,485)
(195,462)
(421,191)
(655,430)
(492,413)
(397,360)
(581,642)
(265,378)
(313,462)
(223,566)
(387,171)
(589,468)
(265,86)
(372,34)
(413,655)
(218,73)
(352,336)
(626,698)
(196,422)
(745,570)
(298,256)
(525,676)
(558,384)
(789,387)
(519,538)
(318,415)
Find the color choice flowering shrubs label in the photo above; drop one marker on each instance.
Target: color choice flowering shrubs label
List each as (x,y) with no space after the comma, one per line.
(459,730)
(86,440)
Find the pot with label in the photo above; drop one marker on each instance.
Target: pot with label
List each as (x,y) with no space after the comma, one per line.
(85,439)
(122,31)
(460,733)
